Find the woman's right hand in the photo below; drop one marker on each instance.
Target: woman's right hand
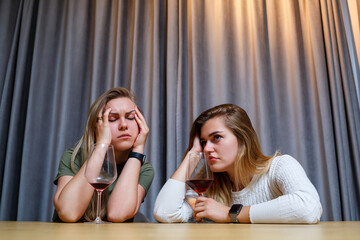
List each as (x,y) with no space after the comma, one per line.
(196,148)
(103,132)
(180,173)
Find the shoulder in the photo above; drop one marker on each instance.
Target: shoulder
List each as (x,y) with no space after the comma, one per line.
(284,164)
(65,167)
(285,168)
(283,161)
(66,156)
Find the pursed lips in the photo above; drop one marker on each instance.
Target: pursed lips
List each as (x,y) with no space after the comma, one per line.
(212,159)
(124,136)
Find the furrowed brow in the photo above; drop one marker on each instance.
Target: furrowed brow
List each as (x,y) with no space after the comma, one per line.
(214,133)
(130,112)
(114,114)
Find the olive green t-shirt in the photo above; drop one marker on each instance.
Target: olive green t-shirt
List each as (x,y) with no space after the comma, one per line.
(145,178)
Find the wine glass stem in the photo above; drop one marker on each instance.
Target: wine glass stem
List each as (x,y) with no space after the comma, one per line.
(98,207)
(200,220)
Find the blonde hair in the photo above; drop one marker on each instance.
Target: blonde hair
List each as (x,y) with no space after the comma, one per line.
(89,138)
(249,161)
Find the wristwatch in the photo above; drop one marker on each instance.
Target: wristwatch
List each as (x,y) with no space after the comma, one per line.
(137,155)
(234,212)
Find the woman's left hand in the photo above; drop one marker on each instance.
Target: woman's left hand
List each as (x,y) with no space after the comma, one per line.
(139,144)
(209,208)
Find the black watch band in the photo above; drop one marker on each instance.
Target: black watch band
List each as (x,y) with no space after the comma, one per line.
(234,212)
(137,155)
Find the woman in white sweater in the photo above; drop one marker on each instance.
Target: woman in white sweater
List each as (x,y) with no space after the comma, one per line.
(249,187)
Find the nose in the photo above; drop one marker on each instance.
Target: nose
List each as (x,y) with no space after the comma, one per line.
(122,124)
(208,147)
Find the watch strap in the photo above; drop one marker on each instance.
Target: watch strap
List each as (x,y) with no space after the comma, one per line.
(137,155)
(234,212)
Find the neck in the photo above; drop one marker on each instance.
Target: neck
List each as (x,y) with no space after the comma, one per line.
(239,186)
(231,174)
(122,156)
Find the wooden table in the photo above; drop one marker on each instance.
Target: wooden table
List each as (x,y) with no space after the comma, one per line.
(158,231)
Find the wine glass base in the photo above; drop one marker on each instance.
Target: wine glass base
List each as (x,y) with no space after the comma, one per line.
(202,220)
(98,221)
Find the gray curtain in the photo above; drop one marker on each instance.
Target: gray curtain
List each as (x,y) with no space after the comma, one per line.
(292,65)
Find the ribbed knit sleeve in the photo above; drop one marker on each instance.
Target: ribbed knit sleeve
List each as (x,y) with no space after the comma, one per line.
(296,201)
(170,204)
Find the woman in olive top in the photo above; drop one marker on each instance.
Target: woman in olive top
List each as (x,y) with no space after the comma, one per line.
(113,119)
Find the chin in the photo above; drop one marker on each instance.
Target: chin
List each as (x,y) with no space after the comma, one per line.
(217,169)
(120,147)
(214,169)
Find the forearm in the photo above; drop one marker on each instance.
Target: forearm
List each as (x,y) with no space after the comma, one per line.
(298,207)
(126,197)
(170,204)
(180,173)
(73,199)
(298,202)
(74,193)
(244,215)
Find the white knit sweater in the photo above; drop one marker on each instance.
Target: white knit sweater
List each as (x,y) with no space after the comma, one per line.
(284,194)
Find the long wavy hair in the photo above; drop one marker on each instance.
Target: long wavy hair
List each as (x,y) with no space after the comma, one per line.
(89,138)
(249,161)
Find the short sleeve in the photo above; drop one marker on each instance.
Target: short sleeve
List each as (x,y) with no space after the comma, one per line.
(64,168)
(146,176)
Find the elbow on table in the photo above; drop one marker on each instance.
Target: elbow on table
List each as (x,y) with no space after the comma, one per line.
(159,213)
(67,213)
(163,216)
(69,217)
(115,216)
(310,220)
(311,217)
(309,212)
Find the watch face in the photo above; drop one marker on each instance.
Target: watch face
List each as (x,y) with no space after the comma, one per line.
(236,208)
(234,212)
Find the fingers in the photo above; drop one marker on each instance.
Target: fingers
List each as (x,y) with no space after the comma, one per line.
(106,115)
(141,121)
(139,143)
(201,199)
(196,145)
(103,117)
(200,204)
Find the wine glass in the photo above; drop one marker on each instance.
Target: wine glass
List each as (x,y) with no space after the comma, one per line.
(100,172)
(199,175)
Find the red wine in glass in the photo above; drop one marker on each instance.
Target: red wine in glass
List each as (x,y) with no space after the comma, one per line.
(100,172)
(100,186)
(199,175)
(200,185)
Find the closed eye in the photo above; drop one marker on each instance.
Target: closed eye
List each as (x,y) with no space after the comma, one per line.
(112,119)
(131,116)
